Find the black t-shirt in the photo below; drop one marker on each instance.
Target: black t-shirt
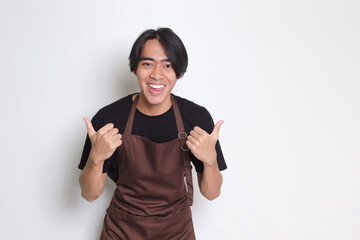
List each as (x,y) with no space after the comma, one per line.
(158,129)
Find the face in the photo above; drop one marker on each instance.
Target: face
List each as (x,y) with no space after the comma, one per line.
(156,78)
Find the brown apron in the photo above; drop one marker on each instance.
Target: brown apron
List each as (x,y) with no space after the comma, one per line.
(151,200)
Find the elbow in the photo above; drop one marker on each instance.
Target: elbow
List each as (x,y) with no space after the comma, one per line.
(90,192)
(212,196)
(90,198)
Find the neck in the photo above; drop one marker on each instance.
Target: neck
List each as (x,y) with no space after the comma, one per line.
(152,109)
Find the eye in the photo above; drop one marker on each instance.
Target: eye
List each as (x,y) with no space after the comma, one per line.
(147,64)
(168,66)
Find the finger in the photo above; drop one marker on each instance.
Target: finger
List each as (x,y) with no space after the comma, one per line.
(216,130)
(194,134)
(199,130)
(90,128)
(192,140)
(189,144)
(106,128)
(112,132)
(117,137)
(118,143)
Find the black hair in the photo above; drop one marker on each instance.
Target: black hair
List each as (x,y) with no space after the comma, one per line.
(174,48)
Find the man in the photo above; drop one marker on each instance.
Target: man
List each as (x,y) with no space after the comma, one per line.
(145,143)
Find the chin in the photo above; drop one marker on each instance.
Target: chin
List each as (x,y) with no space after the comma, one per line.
(155,100)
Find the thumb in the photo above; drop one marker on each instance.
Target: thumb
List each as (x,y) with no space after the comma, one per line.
(216,130)
(90,128)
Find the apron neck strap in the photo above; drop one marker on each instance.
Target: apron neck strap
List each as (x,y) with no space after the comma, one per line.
(180,125)
(179,122)
(130,120)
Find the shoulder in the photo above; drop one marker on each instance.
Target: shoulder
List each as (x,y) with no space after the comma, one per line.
(187,104)
(115,112)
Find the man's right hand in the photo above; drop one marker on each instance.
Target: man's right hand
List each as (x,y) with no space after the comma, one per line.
(103,142)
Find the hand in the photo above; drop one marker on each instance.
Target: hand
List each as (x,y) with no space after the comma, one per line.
(202,144)
(103,142)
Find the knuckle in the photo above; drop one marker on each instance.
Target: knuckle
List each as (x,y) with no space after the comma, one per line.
(100,133)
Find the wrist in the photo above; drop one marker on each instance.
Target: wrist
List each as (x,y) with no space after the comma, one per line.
(211,165)
(95,160)
(212,161)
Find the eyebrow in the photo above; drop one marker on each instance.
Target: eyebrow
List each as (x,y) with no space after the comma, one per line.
(151,59)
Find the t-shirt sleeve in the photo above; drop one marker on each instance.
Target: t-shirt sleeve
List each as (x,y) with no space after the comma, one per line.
(206,123)
(98,122)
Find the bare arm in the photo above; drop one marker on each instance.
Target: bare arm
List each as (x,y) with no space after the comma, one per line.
(92,180)
(103,145)
(210,182)
(202,145)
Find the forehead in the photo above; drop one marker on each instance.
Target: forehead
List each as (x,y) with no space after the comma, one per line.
(153,49)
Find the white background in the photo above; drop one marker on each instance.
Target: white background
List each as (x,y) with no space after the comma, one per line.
(283,74)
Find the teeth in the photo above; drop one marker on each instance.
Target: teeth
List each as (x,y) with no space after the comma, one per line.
(156,86)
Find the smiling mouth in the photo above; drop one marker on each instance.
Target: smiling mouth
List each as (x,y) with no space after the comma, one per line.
(156,86)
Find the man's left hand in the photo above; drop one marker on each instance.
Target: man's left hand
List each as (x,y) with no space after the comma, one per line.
(202,144)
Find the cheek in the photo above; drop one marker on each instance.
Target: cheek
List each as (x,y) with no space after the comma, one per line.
(171,76)
(174,79)
(140,76)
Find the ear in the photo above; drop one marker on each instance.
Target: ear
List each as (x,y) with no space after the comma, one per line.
(134,72)
(181,76)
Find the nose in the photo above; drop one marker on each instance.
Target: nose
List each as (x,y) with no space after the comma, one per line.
(157,73)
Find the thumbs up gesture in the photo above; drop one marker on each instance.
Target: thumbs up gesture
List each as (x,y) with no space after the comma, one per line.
(103,142)
(202,144)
